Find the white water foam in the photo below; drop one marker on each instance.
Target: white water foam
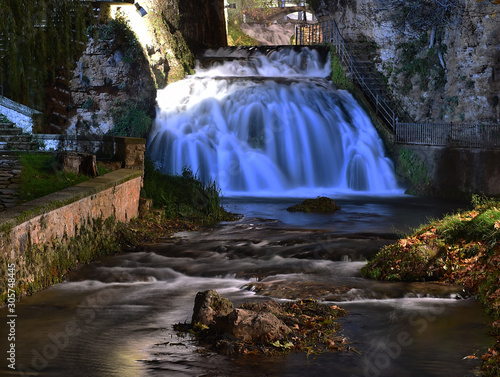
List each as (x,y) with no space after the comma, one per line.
(270,136)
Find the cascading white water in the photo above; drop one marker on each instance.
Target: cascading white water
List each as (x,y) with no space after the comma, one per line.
(269,125)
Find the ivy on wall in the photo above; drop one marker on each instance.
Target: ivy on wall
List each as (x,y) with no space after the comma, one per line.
(39,41)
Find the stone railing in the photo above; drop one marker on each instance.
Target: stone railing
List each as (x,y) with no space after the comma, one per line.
(128,150)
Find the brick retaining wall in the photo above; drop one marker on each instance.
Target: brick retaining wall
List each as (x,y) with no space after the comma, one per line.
(46,237)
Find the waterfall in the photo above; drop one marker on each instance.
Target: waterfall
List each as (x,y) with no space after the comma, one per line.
(269,124)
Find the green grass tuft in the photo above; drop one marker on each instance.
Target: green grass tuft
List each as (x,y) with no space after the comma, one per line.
(40,177)
(183,196)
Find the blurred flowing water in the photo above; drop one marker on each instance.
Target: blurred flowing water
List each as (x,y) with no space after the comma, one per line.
(269,140)
(115,316)
(268,124)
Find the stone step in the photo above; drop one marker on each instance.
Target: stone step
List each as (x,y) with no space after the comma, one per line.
(16,137)
(10,131)
(7,125)
(18,146)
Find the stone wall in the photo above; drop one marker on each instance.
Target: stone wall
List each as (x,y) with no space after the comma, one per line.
(46,237)
(461,85)
(129,150)
(10,178)
(457,172)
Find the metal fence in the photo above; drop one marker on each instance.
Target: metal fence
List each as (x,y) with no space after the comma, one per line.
(449,134)
(328,32)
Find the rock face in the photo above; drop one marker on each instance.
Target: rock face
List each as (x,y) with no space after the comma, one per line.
(446,73)
(203,23)
(104,77)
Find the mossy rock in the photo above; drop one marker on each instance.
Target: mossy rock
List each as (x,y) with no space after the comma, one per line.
(321,204)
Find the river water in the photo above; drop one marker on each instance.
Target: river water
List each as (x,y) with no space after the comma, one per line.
(114,317)
(271,131)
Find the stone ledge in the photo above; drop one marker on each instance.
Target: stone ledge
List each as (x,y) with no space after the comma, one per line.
(26,211)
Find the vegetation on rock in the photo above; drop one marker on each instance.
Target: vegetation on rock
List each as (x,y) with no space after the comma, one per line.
(170,41)
(321,204)
(411,168)
(301,326)
(461,248)
(181,202)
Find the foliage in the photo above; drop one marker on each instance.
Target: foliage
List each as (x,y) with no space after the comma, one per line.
(120,33)
(183,196)
(43,39)
(461,248)
(416,59)
(40,176)
(321,204)
(130,118)
(236,37)
(339,77)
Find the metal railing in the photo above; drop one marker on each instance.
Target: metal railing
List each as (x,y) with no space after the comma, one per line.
(447,134)
(328,32)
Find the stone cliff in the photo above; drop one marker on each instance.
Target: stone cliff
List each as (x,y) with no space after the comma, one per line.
(448,71)
(127,58)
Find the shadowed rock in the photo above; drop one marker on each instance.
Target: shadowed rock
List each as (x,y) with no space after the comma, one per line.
(208,305)
(251,326)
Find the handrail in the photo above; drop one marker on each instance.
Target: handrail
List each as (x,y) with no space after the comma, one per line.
(447,134)
(327,31)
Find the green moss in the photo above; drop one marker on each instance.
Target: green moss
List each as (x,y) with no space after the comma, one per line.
(411,168)
(181,60)
(319,205)
(37,55)
(41,266)
(461,248)
(416,60)
(339,77)
(131,119)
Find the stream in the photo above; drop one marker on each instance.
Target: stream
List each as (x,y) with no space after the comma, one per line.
(114,317)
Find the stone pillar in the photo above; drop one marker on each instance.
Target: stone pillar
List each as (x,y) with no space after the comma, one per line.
(130,150)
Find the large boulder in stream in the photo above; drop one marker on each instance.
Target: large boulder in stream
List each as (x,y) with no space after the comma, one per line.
(321,204)
(264,327)
(251,326)
(208,305)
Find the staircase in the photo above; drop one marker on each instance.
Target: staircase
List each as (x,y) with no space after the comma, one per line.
(12,140)
(355,57)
